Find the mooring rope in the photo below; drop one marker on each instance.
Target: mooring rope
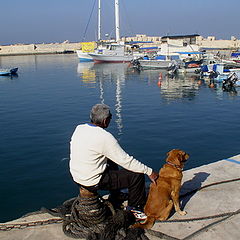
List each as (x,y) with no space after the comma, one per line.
(87,216)
(225,215)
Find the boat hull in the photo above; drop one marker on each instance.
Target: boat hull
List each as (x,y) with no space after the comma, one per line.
(196,70)
(83,56)
(105,58)
(156,64)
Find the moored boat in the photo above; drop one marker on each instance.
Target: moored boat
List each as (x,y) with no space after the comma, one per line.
(114,53)
(159,62)
(8,71)
(156,64)
(84,56)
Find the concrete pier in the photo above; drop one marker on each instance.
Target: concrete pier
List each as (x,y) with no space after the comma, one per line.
(213,211)
(43,48)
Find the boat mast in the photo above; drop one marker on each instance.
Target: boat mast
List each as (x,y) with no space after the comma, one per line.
(117,22)
(99,20)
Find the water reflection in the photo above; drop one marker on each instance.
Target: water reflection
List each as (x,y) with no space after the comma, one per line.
(99,74)
(180,87)
(105,76)
(115,73)
(8,77)
(171,88)
(184,86)
(87,74)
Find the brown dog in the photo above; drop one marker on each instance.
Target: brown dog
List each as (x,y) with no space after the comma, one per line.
(165,193)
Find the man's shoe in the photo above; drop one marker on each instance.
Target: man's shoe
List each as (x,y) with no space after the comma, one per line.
(138,214)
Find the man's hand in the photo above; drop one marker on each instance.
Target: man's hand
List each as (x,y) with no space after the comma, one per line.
(153,177)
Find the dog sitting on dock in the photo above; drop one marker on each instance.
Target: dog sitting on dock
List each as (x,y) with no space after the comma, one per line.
(165,193)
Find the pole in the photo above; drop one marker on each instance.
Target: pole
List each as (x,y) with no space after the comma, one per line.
(99,20)
(117,22)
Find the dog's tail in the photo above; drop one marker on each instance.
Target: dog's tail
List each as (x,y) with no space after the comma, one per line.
(147,224)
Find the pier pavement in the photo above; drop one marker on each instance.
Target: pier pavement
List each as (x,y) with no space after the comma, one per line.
(213,210)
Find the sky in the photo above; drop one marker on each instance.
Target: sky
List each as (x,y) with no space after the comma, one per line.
(52,21)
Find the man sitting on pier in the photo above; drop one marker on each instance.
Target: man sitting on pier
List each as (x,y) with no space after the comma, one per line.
(92,148)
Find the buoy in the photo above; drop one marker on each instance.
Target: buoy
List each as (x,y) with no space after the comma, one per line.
(211,85)
(160,76)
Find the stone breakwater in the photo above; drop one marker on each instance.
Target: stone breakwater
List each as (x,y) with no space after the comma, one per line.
(28,49)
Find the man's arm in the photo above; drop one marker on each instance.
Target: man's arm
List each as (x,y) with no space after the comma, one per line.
(113,151)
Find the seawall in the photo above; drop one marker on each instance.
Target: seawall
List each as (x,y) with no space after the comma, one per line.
(31,49)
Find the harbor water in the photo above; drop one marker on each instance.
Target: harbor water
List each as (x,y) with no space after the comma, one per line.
(152,114)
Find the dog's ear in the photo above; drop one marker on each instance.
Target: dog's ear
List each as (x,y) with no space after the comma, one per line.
(183,156)
(181,153)
(168,153)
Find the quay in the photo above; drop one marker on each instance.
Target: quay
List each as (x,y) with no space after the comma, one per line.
(43,48)
(210,194)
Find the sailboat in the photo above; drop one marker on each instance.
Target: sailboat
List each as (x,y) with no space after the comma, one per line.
(114,52)
(88,47)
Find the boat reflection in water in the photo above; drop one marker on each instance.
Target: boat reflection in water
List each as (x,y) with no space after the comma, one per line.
(171,87)
(111,81)
(104,75)
(179,87)
(86,74)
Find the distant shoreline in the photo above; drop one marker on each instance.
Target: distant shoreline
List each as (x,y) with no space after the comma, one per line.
(209,43)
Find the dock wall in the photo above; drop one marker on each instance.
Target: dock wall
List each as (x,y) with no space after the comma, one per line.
(28,49)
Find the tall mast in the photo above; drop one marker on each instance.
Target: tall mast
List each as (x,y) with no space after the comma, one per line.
(99,20)
(117,24)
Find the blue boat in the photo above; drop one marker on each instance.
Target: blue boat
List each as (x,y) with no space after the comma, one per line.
(8,71)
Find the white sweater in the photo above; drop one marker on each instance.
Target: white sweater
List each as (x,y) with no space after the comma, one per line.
(90,147)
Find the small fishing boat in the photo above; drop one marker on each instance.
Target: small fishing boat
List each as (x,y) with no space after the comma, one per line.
(159,62)
(84,56)
(8,71)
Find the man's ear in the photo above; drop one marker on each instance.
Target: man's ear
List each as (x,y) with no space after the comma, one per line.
(105,123)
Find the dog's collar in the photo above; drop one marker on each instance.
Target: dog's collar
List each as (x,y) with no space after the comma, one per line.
(176,166)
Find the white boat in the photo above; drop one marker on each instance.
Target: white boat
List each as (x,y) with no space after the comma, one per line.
(84,56)
(114,53)
(192,70)
(159,62)
(168,58)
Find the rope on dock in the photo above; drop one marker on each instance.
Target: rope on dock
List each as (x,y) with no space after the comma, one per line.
(210,225)
(225,215)
(87,216)
(96,219)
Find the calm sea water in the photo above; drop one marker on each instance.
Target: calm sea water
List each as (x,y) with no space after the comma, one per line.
(40,108)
